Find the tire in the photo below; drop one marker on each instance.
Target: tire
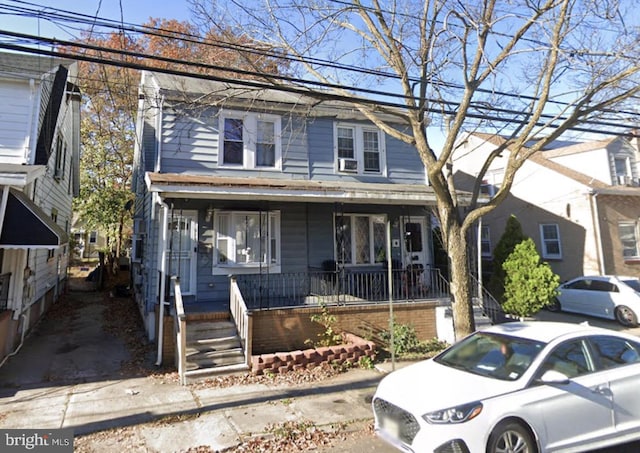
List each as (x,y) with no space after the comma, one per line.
(511,437)
(554,306)
(626,316)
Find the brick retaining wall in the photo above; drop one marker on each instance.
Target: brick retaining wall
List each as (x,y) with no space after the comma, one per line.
(353,349)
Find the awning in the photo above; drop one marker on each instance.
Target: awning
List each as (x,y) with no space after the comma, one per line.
(27,226)
(173,185)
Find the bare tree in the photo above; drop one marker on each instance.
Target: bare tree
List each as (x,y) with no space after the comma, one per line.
(529,70)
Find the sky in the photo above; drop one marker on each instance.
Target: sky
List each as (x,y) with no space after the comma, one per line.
(133,11)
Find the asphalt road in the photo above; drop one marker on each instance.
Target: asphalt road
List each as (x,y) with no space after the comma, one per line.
(376,445)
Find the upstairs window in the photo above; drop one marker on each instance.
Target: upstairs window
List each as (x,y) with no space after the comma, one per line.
(250,140)
(492,182)
(359,149)
(60,158)
(550,239)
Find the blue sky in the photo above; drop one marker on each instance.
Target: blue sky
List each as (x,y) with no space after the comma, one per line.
(133,11)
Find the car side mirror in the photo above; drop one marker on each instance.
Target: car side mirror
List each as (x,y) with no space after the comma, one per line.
(554,377)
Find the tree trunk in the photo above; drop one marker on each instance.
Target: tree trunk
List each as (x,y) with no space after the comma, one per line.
(462,307)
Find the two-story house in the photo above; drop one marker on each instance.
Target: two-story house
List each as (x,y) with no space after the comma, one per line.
(301,201)
(579,202)
(39,176)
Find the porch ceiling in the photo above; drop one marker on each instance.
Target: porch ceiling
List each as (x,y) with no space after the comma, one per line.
(205,187)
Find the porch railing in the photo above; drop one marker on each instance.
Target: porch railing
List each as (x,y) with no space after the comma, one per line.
(242,319)
(484,300)
(180,325)
(5,279)
(264,291)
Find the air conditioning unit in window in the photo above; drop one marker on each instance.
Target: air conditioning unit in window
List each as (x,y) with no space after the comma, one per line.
(348,165)
(627,181)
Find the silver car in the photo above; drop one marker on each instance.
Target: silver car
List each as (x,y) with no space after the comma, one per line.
(532,387)
(604,296)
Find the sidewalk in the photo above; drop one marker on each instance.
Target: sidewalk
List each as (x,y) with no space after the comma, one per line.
(76,372)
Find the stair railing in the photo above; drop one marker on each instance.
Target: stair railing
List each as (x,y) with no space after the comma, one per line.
(242,318)
(180,327)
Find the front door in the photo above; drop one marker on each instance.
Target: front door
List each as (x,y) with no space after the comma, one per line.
(181,253)
(415,253)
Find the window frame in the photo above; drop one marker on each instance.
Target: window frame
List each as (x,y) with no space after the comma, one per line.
(544,241)
(359,151)
(485,239)
(250,129)
(634,226)
(353,240)
(60,158)
(274,243)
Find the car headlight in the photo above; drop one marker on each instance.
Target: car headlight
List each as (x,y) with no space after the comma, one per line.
(458,414)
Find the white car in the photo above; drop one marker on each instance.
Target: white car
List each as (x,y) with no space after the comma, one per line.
(517,387)
(607,296)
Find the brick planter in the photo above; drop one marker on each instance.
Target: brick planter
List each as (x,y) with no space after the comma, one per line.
(350,351)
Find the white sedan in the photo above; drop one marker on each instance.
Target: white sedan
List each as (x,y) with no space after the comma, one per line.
(606,296)
(516,387)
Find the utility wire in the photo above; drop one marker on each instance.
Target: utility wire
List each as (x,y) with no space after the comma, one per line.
(122,26)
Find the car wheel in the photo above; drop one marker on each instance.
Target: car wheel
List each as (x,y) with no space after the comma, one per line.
(511,437)
(626,316)
(554,306)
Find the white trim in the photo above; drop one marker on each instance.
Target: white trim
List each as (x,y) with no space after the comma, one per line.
(230,238)
(249,139)
(351,216)
(543,242)
(358,139)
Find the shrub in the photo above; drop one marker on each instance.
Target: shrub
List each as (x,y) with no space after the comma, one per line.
(530,284)
(329,336)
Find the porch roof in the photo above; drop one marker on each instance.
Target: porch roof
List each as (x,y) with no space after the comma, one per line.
(230,188)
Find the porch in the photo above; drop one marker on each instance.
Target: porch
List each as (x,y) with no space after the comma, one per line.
(346,286)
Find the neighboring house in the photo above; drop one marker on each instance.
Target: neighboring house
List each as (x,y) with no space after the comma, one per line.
(579,202)
(39,176)
(87,242)
(290,195)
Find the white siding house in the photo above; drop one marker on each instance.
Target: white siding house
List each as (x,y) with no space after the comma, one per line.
(39,156)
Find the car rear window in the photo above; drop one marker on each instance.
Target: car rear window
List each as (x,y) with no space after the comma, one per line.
(634,283)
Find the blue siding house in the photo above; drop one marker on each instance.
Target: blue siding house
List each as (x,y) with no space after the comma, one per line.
(294,200)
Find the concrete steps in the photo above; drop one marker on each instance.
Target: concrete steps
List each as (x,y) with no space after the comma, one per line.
(213,348)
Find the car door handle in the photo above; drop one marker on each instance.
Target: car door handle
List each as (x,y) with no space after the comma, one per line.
(602,389)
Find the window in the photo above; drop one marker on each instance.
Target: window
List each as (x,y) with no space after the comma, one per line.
(359,149)
(569,358)
(550,238)
(137,248)
(51,253)
(93,237)
(61,155)
(613,352)
(492,182)
(360,239)
(485,240)
(247,239)
(250,140)
(629,239)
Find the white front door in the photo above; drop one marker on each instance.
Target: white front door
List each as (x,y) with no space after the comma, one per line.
(181,253)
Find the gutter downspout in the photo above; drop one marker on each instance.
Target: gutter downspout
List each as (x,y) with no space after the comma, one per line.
(23,318)
(593,196)
(3,204)
(163,272)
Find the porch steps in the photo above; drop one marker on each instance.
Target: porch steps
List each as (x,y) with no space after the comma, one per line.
(213,348)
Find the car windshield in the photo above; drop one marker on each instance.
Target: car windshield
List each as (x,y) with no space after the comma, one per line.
(497,356)
(634,283)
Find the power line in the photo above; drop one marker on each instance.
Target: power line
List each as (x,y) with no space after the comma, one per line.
(303,82)
(61,14)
